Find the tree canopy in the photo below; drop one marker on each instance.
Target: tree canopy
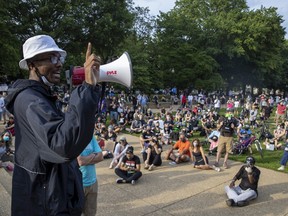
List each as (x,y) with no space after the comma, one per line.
(203,44)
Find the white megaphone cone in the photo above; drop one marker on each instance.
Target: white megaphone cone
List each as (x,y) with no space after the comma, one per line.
(118,71)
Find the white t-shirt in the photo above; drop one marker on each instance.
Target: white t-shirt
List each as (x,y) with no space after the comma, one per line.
(2,104)
(236,104)
(190,97)
(217,103)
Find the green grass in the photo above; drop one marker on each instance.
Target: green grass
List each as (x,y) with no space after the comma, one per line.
(271,159)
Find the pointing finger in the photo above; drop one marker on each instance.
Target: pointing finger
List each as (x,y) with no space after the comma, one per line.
(88,52)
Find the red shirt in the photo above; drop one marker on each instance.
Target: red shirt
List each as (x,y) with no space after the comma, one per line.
(281,109)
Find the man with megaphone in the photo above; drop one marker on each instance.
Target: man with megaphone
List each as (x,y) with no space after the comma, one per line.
(47,179)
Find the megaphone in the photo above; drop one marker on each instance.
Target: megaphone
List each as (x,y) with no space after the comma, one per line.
(118,71)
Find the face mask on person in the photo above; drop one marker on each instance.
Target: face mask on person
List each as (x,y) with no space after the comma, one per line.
(6,138)
(195,144)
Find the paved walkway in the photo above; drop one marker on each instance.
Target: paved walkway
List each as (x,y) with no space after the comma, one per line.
(183,190)
(179,190)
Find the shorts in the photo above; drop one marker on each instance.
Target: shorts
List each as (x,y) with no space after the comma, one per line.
(280,116)
(187,156)
(225,142)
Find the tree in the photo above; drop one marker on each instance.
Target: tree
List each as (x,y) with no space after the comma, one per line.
(202,40)
(139,45)
(105,23)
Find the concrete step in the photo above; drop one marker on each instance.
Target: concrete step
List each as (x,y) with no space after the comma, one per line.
(5,192)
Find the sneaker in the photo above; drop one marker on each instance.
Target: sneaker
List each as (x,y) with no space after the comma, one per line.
(216,164)
(172,163)
(225,166)
(151,167)
(242,203)
(281,168)
(119,181)
(217,169)
(230,202)
(133,182)
(146,166)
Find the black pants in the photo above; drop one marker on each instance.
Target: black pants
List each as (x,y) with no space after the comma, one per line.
(154,159)
(128,177)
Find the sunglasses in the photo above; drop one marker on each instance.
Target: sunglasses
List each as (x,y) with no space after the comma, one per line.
(53,59)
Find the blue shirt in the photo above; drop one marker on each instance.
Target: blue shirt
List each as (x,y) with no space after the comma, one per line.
(89,171)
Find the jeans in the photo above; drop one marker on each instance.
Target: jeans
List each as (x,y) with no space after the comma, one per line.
(237,194)
(284,158)
(114,115)
(128,177)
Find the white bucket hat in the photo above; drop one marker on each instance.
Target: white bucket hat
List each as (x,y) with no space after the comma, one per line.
(37,45)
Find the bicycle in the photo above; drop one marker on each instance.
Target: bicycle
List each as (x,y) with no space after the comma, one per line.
(241,147)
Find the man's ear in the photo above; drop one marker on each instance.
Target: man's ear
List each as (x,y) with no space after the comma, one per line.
(30,65)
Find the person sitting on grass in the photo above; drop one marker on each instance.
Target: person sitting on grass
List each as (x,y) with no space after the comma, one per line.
(247,189)
(10,125)
(182,154)
(152,156)
(129,170)
(136,125)
(123,121)
(279,135)
(199,159)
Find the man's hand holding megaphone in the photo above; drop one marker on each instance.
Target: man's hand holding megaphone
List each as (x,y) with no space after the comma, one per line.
(91,67)
(119,71)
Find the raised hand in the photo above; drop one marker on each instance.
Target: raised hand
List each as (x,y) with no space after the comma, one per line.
(91,67)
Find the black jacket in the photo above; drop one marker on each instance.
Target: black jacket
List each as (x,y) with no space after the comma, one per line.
(46,178)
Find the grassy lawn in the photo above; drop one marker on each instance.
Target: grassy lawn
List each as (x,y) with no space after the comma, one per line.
(271,159)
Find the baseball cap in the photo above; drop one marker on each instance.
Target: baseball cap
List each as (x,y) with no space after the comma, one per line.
(122,138)
(130,149)
(37,45)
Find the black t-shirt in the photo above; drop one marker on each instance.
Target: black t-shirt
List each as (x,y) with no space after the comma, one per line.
(227,129)
(111,136)
(131,163)
(147,135)
(130,115)
(153,152)
(156,131)
(243,175)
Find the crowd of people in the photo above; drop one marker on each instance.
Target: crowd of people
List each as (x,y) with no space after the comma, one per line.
(82,129)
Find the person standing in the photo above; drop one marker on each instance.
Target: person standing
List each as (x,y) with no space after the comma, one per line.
(226,126)
(91,155)
(46,177)
(284,159)
(2,107)
(247,189)
(217,104)
(280,112)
